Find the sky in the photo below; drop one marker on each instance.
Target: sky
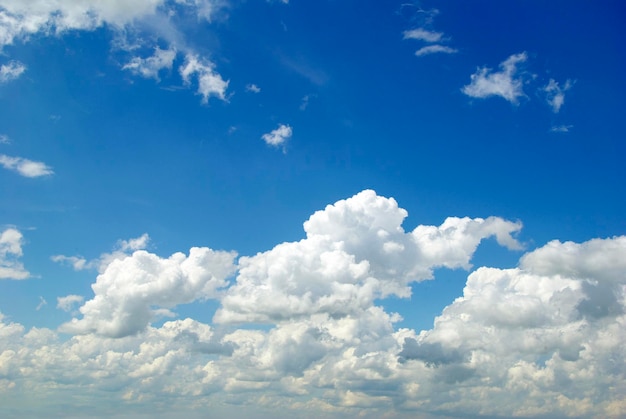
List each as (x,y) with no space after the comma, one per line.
(297,208)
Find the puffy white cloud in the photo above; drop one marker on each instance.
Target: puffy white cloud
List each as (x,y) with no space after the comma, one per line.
(434,49)
(210,83)
(131,291)
(354,252)
(555,94)
(25,167)
(11,241)
(11,71)
(504,83)
(150,67)
(279,136)
(421,34)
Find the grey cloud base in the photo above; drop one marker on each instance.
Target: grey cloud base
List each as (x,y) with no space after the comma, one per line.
(543,339)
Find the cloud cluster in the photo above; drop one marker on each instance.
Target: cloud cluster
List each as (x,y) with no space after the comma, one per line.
(25,167)
(506,83)
(11,241)
(542,339)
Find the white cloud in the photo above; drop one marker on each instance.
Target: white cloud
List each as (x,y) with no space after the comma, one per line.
(11,71)
(67,303)
(210,83)
(11,241)
(25,167)
(130,292)
(421,34)
(505,83)
(434,49)
(120,251)
(151,66)
(279,136)
(542,339)
(42,302)
(555,94)
(4,139)
(253,88)
(355,251)
(561,128)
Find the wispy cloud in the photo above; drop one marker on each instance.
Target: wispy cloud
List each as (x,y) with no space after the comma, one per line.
(150,67)
(68,302)
(434,49)
(253,88)
(11,71)
(279,136)
(11,241)
(506,83)
(210,83)
(42,302)
(421,34)
(555,94)
(4,139)
(561,128)
(25,167)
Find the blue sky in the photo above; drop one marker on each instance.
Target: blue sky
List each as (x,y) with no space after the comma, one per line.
(312,208)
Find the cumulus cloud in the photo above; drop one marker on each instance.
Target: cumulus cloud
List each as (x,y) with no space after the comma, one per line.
(506,83)
(25,167)
(279,136)
(11,71)
(150,67)
(131,291)
(209,82)
(555,94)
(354,252)
(120,251)
(68,302)
(541,339)
(11,241)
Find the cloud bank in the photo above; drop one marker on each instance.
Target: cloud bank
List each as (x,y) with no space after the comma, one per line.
(301,327)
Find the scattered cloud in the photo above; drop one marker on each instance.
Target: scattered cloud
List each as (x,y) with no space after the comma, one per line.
(279,136)
(209,82)
(11,241)
(42,302)
(434,49)
(555,94)
(122,249)
(68,302)
(421,34)
(541,339)
(561,128)
(253,88)
(150,67)
(304,104)
(25,167)
(11,71)
(505,83)
(4,139)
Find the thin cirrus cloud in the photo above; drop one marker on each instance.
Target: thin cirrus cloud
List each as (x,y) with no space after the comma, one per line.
(430,37)
(25,167)
(555,94)
(434,49)
(506,83)
(548,331)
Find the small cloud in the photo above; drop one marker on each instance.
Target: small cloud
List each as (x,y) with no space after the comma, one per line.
(42,302)
(4,139)
(278,136)
(504,83)
(11,71)
(561,128)
(210,83)
(67,303)
(433,49)
(305,102)
(150,67)
(421,34)
(25,167)
(253,88)
(555,94)
(11,241)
